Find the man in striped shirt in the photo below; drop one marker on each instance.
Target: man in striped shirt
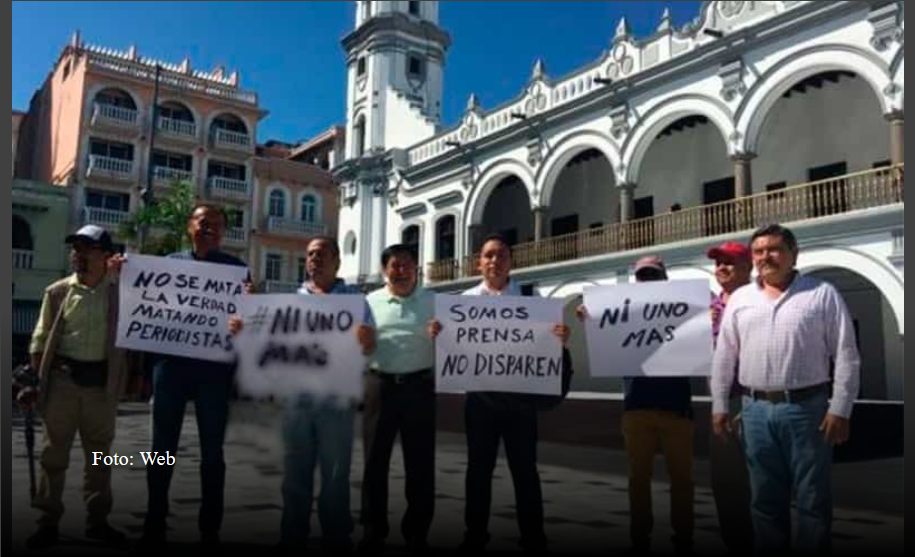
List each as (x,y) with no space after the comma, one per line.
(788,338)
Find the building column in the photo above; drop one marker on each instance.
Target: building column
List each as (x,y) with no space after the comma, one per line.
(897,137)
(539,222)
(743,174)
(627,202)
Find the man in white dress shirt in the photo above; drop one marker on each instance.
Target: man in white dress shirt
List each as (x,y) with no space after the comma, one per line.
(790,341)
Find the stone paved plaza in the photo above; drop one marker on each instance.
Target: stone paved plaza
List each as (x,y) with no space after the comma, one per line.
(586,510)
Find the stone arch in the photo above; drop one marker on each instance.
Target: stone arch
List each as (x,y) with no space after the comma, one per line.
(566,150)
(762,97)
(570,289)
(883,277)
(249,126)
(665,114)
(487,183)
(99,87)
(195,114)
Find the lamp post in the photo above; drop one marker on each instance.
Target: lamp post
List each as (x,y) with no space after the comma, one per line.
(147,194)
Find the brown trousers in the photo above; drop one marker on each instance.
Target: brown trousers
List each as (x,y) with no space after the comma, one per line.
(92,413)
(644,433)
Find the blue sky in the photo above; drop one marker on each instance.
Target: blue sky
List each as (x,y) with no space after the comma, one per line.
(290,53)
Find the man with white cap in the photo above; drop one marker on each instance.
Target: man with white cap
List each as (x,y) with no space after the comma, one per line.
(81,378)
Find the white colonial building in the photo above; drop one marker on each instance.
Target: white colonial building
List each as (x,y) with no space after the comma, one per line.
(755,112)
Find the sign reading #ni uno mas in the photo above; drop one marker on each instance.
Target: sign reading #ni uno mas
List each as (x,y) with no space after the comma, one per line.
(293,345)
(656,329)
(498,344)
(178,307)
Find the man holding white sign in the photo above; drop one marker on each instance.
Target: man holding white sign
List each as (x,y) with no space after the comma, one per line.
(660,336)
(186,325)
(317,429)
(493,416)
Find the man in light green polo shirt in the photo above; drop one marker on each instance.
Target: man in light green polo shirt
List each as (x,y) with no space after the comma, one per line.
(400,399)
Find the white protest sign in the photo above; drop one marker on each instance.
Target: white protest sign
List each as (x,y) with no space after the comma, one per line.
(293,345)
(651,329)
(498,344)
(179,307)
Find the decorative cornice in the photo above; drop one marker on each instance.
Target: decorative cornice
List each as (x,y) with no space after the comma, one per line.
(447,200)
(413,211)
(732,84)
(396,22)
(887,27)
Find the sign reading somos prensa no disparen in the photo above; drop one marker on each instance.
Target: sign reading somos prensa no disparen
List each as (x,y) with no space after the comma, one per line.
(657,329)
(294,345)
(498,344)
(179,307)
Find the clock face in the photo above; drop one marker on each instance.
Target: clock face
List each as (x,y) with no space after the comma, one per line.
(730,9)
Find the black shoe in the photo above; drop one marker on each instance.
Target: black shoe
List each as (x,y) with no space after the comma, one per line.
(683,547)
(210,540)
(342,547)
(106,534)
(418,547)
(639,550)
(152,543)
(471,548)
(46,537)
(283,549)
(370,545)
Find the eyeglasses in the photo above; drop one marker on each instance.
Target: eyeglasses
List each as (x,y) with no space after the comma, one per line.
(650,275)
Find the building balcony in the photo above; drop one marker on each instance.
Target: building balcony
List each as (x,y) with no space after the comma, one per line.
(237,237)
(280,287)
(106,218)
(110,169)
(828,198)
(277,225)
(115,117)
(180,130)
(23,259)
(165,176)
(231,142)
(228,188)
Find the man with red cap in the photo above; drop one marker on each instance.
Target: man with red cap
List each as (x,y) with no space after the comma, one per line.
(730,477)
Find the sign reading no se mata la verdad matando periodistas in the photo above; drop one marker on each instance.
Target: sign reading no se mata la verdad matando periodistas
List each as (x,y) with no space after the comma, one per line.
(178,307)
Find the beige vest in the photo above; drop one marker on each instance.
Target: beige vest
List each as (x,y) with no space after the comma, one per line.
(118,371)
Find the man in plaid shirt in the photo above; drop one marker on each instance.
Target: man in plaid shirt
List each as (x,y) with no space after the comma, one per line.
(789,340)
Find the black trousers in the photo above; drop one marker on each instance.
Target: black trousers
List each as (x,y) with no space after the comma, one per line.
(488,425)
(209,388)
(407,409)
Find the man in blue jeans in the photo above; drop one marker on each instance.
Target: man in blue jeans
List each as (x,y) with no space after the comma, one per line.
(179,380)
(789,340)
(320,432)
